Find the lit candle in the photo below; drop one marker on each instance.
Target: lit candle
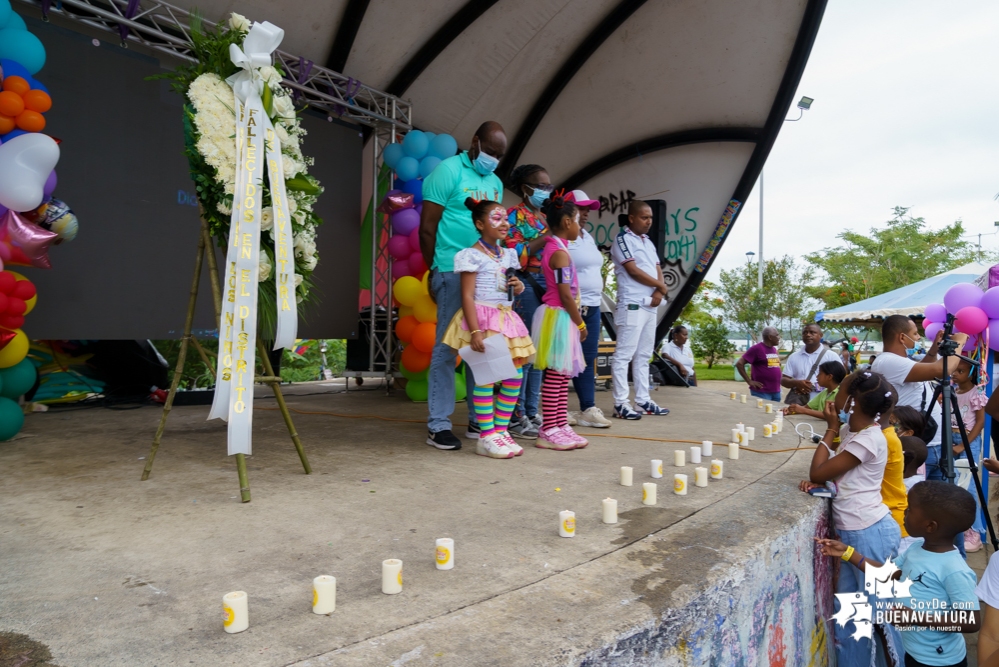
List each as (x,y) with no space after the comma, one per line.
(444,554)
(759,402)
(766,430)
(716,468)
(680,484)
(742,399)
(750,433)
(649,493)
(324,594)
(733,450)
(735,435)
(625,476)
(768,408)
(235,613)
(566,524)
(679,458)
(610,510)
(731,395)
(706,447)
(657,468)
(695,454)
(700,476)
(391,576)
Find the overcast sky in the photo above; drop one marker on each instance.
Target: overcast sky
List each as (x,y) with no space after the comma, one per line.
(905,113)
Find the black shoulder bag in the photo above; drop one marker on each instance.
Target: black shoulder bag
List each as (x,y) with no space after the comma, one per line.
(930,429)
(796,398)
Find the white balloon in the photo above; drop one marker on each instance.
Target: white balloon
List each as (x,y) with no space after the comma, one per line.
(25,163)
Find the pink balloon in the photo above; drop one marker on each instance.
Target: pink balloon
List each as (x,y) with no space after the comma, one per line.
(936,312)
(414,240)
(398,247)
(932,330)
(994,335)
(990,303)
(417,267)
(961,296)
(400,269)
(971,320)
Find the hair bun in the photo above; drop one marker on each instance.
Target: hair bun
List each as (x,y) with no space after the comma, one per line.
(470,203)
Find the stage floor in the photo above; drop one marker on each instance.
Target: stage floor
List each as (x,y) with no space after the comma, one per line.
(107,570)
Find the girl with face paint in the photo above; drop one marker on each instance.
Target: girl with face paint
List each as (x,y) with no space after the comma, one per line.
(488,285)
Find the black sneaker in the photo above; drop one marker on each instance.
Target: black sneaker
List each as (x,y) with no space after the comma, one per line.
(473,431)
(443,440)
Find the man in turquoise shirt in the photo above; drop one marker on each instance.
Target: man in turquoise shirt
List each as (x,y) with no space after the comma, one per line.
(445,228)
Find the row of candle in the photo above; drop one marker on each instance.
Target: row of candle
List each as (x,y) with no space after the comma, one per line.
(768,407)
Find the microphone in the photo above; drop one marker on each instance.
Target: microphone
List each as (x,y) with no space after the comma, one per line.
(510,273)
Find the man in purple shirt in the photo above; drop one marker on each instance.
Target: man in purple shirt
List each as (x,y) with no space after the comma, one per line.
(765,362)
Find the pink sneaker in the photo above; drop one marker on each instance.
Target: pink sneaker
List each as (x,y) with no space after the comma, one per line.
(510,443)
(555,438)
(578,439)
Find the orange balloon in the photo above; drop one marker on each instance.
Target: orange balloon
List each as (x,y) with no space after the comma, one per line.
(17,85)
(414,360)
(7,124)
(30,121)
(405,327)
(11,104)
(37,100)
(425,337)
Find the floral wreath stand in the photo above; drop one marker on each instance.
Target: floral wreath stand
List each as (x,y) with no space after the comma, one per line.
(205,243)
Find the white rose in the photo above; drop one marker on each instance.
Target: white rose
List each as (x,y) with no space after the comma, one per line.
(266,219)
(264,267)
(282,134)
(291,166)
(292,205)
(239,22)
(283,106)
(309,262)
(270,75)
(299,217)
(298,279)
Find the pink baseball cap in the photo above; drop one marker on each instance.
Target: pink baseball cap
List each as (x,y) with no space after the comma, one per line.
(581,200)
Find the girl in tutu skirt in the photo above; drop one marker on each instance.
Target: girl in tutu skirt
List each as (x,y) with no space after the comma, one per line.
(486,311)
(558,328)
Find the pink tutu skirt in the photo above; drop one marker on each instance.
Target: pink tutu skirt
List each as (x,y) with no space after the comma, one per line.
(556,339)
(493,320)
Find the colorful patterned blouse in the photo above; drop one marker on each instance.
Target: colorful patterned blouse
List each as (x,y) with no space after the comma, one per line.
(525,226)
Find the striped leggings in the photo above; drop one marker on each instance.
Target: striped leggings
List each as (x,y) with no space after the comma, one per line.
(554,399)
(493,412)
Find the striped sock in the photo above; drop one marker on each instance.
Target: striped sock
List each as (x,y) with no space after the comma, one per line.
(482,401)
(554,399)
(506,400)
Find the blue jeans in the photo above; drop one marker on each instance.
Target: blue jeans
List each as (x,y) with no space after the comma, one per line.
(525,305)
(766,395)
(584,383)
(976,451)
(878,542)
(446,289)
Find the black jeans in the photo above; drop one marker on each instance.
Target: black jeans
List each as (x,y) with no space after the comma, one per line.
(912,662)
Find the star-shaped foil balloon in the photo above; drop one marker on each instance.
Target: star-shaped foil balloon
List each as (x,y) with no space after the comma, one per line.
(30,239)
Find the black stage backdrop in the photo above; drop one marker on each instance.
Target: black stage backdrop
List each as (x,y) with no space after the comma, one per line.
(128,273)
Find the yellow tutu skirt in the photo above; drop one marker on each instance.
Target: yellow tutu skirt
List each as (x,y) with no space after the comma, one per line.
(494,321)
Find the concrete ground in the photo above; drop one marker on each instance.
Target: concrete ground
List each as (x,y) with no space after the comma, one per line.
(106,570)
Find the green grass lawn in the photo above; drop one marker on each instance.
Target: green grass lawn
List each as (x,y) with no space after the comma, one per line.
(716,372)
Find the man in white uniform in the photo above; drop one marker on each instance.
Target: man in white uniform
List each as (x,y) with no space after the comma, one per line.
(640,290)
(802,366)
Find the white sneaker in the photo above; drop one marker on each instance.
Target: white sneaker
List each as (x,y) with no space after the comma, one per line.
(493,447)
(570,419)
(594,418)
(511,444)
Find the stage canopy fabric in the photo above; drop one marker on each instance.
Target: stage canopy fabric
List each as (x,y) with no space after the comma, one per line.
(909,300)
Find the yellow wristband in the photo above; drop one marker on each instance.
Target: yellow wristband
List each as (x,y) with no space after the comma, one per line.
(847,555)
(581,326)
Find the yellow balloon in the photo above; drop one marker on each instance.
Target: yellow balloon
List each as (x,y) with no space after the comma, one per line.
(425,281)
(14,351)
(404,311)
(425,309)
(407,290)
(30,303)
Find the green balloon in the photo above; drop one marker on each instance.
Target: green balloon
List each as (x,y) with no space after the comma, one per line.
(11,418)
(410,375)
(417,390)
(17,380)
(460,390)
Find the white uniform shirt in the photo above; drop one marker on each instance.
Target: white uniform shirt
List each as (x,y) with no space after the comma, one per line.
(630,247)
(588,261)
(800,362)
(682,354)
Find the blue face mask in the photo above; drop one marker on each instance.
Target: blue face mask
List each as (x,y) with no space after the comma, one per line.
(844,416)
(537,198)
(484,163)
(910,352)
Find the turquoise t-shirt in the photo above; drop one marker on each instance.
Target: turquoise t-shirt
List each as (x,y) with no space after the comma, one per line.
(937,579)
(450,183)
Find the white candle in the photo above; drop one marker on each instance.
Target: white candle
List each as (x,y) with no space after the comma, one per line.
(759,402)
(324,594)
(680,484)
(733,450)
(766,430)
(741,427)
(625,476)
(750,433)
(695,454)
(679,458)
(566,524)
(731,395)
(235,612)
(706,447)
(735,435)
(743,438)
(768,408)
(444,554)
(609,510)
(657,468)
(716,468)
(742,399)
(776,427)
(649,493)
(391,576)
(700,476)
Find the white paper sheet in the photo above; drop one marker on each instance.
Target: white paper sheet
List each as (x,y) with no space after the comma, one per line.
(493,365)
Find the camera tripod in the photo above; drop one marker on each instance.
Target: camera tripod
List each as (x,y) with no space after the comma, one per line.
(948,349)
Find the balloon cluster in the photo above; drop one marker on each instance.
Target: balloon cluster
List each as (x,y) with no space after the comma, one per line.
(17,373)
(976,313)
(413,160)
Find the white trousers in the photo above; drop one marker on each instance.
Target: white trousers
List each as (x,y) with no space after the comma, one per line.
(636,336)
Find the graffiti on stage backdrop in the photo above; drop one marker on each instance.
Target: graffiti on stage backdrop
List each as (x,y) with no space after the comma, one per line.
(716,238)
(680,237)
(615,203)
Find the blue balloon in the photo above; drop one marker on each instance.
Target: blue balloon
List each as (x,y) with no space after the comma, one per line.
(37,85)
(15,22)
(12,67)
(415,188)
(430,136)
(407,169)
(415,144)
(5,12)
(443,146)
(22,46)
(392,154)
(10,135)
(428,164)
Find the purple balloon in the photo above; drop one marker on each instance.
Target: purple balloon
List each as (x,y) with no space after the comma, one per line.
(405,221)
(961,296)
(971,320)
(993,330)
(936,312)
(50,185)
(932,330)
(398,247)
(990,303)
(970,344)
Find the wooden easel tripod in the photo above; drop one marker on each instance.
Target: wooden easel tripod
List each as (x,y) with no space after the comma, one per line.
(205,244)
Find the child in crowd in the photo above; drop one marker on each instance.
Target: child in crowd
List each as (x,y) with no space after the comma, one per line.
(485,312)
(932,572)
(558,328)
(908,421)
(914,453)
(971,400)
(831,374)
(857,466)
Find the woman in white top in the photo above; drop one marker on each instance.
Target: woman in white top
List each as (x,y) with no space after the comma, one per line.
(862,520)
(677,351)
(588,261)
